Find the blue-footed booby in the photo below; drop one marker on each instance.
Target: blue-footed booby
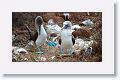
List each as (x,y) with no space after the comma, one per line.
(67,41)
(39,36)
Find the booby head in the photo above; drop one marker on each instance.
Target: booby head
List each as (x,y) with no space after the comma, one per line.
(38,23)
(51,22)
(67,25)
(66,16)
(38,20)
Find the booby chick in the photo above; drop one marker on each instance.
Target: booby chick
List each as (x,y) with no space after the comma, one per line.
(52,27)
(53,30)
(66,40)
(39,36)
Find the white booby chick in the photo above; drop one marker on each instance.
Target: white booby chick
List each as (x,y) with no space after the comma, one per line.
(52,27)
(84,45)
(67,41)
(88,22)
(51,22)
(88,51)
(76,27)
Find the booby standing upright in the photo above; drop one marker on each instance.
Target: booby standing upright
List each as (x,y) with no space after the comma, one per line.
(42,35)
(67,41)
(39,36)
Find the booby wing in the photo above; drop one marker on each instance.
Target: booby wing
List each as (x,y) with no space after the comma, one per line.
(33,35)
(73,41)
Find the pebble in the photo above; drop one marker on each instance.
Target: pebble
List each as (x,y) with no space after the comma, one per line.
(43,59)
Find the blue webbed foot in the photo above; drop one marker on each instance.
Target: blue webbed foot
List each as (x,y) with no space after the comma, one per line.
(39,51)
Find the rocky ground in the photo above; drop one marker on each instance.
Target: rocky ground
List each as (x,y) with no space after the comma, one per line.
(51,54)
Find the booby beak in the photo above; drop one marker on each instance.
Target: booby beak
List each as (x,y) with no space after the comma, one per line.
(39,29)
(67,25)
(38,22)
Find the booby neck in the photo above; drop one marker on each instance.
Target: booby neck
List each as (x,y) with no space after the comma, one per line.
(41,30)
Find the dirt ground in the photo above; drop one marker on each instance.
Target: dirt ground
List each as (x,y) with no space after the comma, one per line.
(51,54)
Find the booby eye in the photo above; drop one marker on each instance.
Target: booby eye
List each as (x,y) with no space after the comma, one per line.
(66,26)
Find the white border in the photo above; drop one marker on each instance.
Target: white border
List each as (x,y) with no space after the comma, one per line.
(9,6)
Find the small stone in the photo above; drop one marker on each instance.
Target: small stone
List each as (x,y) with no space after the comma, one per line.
(25,59)
(43,59)
(52,58)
